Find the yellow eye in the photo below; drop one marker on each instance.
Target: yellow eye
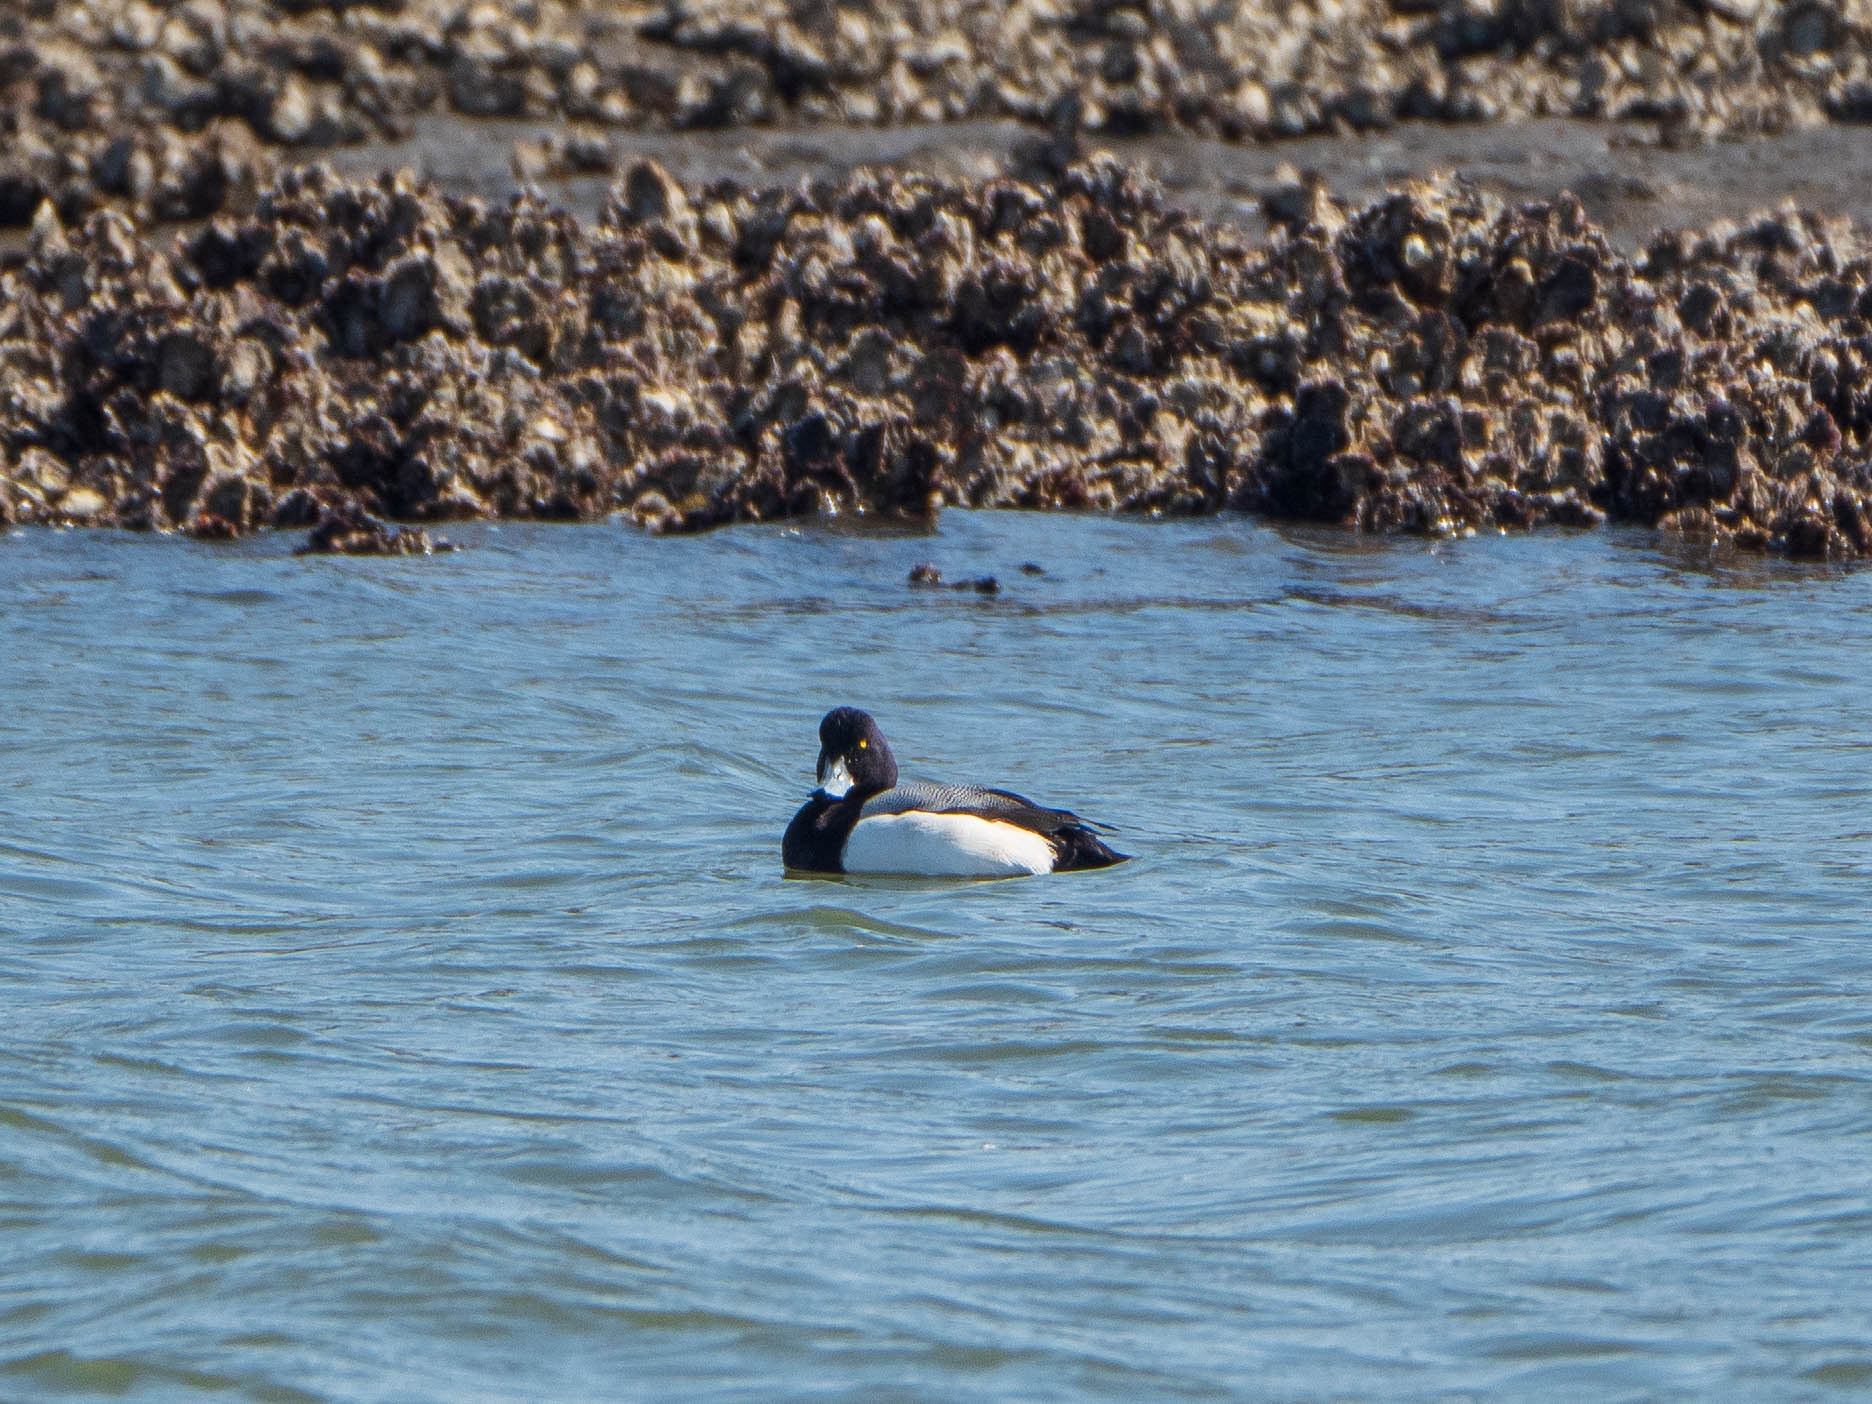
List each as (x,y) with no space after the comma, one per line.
(862,744)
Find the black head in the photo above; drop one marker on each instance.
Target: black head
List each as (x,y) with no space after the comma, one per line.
(854,757)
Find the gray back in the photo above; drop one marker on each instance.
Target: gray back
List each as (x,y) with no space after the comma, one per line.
(934,798)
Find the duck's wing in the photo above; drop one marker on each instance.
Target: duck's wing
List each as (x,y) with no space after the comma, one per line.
(926,797)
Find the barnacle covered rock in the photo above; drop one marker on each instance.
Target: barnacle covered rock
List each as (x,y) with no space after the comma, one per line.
(183,111)
(1436,362)
(349,531)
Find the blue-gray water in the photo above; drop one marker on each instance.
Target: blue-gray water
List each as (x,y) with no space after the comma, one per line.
(400,997)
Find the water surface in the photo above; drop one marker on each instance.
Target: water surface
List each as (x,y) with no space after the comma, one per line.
(400,996)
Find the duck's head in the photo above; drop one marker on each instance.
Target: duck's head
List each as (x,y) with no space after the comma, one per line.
(853,754)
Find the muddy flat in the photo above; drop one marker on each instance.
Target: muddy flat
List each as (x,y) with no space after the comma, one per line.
(1630,182)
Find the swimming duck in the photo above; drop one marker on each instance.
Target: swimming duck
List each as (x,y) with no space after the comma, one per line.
(860,820)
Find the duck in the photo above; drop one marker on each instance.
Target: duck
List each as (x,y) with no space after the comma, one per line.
(861,820)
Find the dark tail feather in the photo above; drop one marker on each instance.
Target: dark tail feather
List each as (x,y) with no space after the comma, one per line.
(1079,847)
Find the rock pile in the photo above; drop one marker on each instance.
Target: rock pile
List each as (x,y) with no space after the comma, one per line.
(175,107)
(1434,362)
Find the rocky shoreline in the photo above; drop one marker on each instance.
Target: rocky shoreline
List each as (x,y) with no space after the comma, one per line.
(178,109)
(201,333)
(1435,361)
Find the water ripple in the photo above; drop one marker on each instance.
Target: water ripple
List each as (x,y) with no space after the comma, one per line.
(401,996)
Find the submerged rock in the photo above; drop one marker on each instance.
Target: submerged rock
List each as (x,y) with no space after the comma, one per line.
(927,574)
(349,531)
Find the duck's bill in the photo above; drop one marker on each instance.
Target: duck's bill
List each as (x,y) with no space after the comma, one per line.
(834,778)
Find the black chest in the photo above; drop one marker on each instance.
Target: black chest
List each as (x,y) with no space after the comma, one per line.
(815,839)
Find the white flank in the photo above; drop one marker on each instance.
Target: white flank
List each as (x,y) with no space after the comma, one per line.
(945,845)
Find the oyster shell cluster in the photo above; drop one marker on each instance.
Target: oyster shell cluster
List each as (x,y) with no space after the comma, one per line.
(176,108)
(1434,362)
